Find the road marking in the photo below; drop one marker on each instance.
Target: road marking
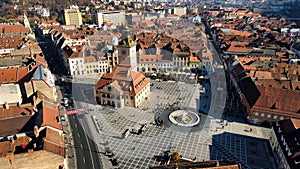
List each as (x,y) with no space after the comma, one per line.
(83,159)
(89,146)
(76,126)
(78,134)
(81,146)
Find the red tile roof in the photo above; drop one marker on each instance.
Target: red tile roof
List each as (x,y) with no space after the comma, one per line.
(279,101)
(17,28)
(50,115)
(15,74)
(124,74)
(13,125)
(16,111)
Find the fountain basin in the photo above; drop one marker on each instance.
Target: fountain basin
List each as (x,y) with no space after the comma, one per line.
(184,118)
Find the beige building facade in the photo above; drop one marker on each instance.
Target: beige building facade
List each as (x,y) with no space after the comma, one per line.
(122,87)
(72,17)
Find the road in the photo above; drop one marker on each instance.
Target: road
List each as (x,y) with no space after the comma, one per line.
(85,149)
(218,84)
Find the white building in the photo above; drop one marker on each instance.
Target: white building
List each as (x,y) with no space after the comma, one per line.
(179,11)
(76,64)
(44,12)
(10,94)
(92,66)
(115,17)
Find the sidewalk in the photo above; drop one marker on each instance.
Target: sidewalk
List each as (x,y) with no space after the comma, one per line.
(70,151)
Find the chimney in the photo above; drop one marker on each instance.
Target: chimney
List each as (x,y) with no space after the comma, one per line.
(29,68)
(6,106)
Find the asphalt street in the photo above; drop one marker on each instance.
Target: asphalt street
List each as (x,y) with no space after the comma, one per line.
(85,149)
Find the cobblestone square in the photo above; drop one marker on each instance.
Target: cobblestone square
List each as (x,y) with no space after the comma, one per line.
(206,141)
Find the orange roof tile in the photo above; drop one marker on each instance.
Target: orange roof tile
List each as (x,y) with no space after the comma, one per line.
(124,74)
(74,55)
(263,75)
(15,74)
(280,101)
(17,28)
(50,115)
(296,123)
(239,33)
(234,49)
(16,111)
(102,82)
(194,58)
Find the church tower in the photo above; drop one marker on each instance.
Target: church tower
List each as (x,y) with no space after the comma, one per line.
(127,53)
(26,22)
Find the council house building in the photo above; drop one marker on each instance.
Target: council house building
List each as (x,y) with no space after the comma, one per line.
(122,87)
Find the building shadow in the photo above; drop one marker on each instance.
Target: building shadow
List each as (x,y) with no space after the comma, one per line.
(250,152)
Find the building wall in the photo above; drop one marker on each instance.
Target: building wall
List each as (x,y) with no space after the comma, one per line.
(180,11)
(142,95)
(91,67)
(103,66)
(109,95)
(72,17)
(194,64)
(165,66)
(115,17)
(97,67)
(113,59)
(267,115)
(181,61)
(76,66)
(5,51)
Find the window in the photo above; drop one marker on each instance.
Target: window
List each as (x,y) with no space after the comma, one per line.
(109,88)
(281,118)
(123,52)
(256,113)
(275,117)
(269,116)
(131,97)
(262,115)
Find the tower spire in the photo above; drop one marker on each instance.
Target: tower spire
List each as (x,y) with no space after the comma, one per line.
(26,22)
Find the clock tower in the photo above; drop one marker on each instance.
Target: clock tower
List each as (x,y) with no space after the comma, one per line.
(127,53)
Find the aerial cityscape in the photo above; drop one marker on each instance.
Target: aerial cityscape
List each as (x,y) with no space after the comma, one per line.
(150,84)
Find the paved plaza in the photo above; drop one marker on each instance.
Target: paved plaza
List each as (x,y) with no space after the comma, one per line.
(211,139)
